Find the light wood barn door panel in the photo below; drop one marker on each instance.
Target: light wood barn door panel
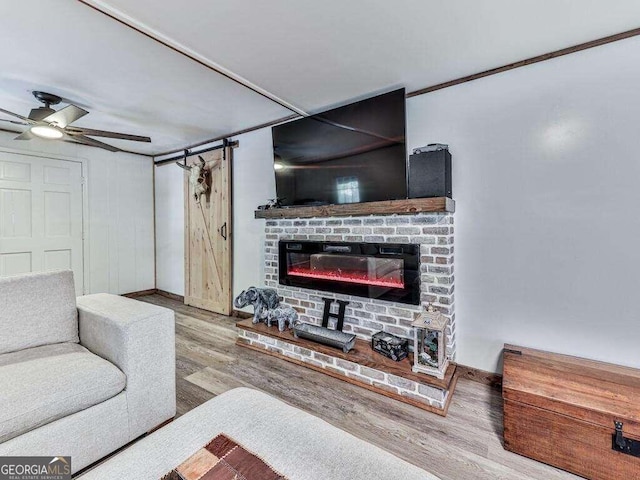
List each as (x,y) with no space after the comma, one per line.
(208,237)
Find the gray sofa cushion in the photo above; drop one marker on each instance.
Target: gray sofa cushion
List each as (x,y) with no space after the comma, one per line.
(43,384)
(37,309)
(86,436)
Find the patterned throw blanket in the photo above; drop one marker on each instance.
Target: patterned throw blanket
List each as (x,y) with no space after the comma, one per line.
(223,459)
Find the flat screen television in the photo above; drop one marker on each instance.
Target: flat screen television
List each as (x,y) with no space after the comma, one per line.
(351,154)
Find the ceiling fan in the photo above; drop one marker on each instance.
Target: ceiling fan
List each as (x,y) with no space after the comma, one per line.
(45,122)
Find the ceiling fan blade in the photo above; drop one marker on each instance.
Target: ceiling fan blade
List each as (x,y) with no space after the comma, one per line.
(65,116)
(90,141)
(26,135)
(12,121)
(104,133)
(28,120)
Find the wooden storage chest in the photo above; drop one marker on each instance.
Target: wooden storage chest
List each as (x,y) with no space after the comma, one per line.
(562,410)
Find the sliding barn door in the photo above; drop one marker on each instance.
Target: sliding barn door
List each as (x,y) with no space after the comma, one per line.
(40,216)
(208,247)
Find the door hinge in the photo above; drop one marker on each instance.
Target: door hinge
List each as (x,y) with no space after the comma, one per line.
(622,444)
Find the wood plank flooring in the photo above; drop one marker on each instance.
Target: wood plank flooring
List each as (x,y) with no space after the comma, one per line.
(466,445)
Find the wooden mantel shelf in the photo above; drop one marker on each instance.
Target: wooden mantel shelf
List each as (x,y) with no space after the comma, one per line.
(388,207)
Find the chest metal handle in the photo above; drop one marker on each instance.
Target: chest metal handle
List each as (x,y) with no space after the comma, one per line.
(620,440)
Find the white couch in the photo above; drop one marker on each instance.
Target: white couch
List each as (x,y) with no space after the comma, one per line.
(80,377)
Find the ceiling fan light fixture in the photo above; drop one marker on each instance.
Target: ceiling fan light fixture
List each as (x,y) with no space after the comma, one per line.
(39,113)
(45,131)
(45,122)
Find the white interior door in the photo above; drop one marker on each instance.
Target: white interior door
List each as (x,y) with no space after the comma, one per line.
(40,216)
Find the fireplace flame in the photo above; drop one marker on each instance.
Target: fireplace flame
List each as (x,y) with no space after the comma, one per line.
(348,277)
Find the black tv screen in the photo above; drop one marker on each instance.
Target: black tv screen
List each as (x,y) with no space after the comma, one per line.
(351,154)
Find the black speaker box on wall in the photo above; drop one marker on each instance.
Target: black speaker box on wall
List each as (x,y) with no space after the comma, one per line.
(430,174)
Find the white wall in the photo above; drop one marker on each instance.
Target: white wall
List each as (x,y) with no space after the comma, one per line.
(120,214)
(547,184)
(253,184)
(546,180)
(169,193)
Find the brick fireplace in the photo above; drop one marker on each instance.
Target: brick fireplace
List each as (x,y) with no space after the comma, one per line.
(389,260)
(433,232)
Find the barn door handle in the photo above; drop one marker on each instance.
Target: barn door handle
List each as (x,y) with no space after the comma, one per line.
(223,230)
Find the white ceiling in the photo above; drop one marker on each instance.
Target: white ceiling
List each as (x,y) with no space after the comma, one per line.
(311,54)
(128,82)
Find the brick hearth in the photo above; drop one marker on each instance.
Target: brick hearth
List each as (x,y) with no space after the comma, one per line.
(361,366)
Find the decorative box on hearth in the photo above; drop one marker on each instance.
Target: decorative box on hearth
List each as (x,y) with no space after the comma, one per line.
(392,346)
(430,343)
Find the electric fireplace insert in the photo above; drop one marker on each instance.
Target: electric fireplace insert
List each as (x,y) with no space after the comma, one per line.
(385,271)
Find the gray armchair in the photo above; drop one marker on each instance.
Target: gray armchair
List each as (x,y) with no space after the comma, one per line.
(82,378)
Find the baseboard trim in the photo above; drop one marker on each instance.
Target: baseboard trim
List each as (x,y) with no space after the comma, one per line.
(140,293)
(172,296)
(241,314)
(494,380)
(154,291)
